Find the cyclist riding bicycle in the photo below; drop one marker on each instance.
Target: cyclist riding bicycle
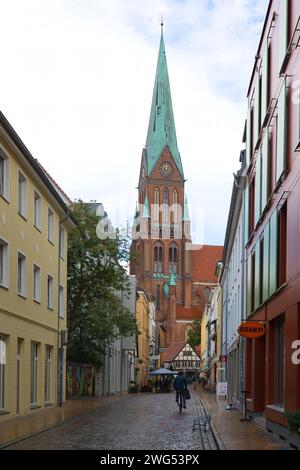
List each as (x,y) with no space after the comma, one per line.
(180,384)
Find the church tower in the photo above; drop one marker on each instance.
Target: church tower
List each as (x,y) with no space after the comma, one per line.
(161,232)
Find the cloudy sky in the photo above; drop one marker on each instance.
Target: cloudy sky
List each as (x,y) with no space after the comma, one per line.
(76,84)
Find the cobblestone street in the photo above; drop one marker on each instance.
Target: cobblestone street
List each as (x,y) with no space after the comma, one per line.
(144,421)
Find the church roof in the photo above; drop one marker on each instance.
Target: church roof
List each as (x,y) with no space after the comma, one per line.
(204,263)
(161,131)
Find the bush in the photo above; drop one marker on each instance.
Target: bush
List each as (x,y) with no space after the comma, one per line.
(293,421)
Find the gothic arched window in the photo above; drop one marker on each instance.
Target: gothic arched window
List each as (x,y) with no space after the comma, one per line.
(156,205)
(158,258)
(173,258)
(166,196)
(166,205)
(147,257)
(175,207)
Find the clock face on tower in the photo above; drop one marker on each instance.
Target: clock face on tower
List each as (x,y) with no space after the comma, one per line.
(166,169)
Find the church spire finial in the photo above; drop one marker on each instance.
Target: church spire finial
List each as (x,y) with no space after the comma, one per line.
(161,129)
(162,23)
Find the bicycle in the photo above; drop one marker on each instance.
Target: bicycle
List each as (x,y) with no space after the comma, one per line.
(180,402)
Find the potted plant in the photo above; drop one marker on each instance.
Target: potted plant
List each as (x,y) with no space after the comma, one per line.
(293,421)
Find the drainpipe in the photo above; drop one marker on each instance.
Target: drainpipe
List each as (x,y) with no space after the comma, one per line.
(60,349)
(226,330)
(243,316)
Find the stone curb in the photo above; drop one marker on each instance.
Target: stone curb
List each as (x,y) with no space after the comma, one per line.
(214,429)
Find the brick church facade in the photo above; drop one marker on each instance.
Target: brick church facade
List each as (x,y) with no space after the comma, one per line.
(163,259)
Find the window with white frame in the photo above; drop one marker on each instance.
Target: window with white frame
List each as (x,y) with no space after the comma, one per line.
(50,225)
(50,291)
(22,206)
(61,242)
(3,263)
(36,283)
(21,274)
(61,306)
(3,175)
(2,371)
(48,357)
(37,210)
(34,374)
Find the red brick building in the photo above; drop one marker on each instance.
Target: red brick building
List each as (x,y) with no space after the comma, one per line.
(273,216)
(164,259)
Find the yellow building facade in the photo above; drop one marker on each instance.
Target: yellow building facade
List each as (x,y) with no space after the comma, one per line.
(34,222)
(211,337)
(143,343)
(203,355)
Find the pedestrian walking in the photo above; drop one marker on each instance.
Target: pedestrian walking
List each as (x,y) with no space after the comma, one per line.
(180,385)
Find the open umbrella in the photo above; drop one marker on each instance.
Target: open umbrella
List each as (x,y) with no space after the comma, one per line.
(163,372)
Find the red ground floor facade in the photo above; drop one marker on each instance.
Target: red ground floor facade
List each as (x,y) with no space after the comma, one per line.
(272,379)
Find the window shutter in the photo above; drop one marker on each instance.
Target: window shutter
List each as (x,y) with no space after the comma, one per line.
(247,213)
(265,83)
(266,262)
(257,275)
(274,253)
(258,189)
(249,285)
(265,171)
(284,29)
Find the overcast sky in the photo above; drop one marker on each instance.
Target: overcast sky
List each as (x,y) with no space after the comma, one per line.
(76,83)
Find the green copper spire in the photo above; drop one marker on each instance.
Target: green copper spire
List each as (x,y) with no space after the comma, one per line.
(146,208)
(136,215)
(186,214)
(172,280)
(161,131)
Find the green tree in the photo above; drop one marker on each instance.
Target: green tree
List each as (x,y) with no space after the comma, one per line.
(97,281)
(194,334)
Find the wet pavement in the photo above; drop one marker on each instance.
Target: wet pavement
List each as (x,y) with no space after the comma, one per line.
(140,422)
(143,421)
(238,435)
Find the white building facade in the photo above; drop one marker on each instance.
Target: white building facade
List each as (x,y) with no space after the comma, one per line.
(233,303)
(211,337)
(118,368)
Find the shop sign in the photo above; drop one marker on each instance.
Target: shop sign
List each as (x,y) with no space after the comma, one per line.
(221,389)
(251,330)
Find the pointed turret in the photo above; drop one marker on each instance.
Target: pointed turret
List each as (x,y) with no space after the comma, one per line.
(136,215)
(146,208)
(172,280)
(186,213)
(161,131)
